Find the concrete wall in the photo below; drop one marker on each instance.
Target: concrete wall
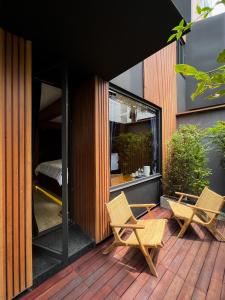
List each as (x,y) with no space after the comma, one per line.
(204,42)
(131,80)
(184,7)
(181,93)
(205,120)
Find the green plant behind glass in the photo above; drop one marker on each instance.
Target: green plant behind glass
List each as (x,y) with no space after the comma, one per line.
(134,150)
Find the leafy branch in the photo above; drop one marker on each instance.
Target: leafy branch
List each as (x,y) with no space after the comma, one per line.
(213,79)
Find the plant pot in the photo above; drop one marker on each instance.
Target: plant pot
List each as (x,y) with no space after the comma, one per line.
(164,201)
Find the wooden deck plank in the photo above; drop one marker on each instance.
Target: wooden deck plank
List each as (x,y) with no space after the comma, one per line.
(198,295)
(150,285)
(52,291)
(206,272)
(160,290)
(188,268)
(192,277)
(216,283)
(174,288)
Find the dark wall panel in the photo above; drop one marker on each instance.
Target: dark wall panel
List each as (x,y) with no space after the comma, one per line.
(147,192)
(204,42)
(184,7)
(131,80)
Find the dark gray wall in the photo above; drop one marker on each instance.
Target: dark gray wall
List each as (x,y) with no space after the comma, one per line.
(181,93)
(146,192)
(204,42)
(205,120)
(131,80)
(184,7)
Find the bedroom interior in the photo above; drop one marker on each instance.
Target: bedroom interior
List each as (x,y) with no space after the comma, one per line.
(53,230)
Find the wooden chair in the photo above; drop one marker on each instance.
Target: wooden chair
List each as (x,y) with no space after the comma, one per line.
(146,234)
(204,212)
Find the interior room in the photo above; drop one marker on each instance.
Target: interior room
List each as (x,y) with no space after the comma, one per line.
(133,139)
(56,236)
(47,161)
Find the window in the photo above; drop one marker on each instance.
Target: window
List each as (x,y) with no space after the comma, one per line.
(133,139)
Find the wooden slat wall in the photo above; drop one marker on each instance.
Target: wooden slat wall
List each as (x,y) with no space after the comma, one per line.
(90,157)
(160,89)
(102,158)
(15,166)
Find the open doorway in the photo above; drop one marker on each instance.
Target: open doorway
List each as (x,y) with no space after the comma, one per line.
(47,160)
(57,239)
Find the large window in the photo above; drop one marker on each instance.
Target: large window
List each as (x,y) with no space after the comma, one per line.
(133,139)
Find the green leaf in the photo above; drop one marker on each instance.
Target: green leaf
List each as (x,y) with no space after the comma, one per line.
(181,23)
(186,69)
(221,57)
(206,9)
(218,78)
(179,35)
(202,76)
(199,90)
(198,10)
(218,94)
(177,28)
(171,37)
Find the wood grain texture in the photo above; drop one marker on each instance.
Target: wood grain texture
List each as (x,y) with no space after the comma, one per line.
(102,229)
(90,157)
(160,89)
(123,273)
(15,166)
(2,170)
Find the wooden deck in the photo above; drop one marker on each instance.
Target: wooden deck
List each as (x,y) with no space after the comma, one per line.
(189,268)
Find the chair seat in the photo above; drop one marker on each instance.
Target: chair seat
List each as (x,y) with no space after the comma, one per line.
(184,212)
(151,235)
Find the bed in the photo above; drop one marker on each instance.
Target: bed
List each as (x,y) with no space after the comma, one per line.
(49,176)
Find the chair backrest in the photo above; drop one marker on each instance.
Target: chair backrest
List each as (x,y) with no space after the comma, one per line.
(210,200)
(119,210)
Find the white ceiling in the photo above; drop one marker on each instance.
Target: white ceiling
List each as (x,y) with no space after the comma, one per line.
(49,94)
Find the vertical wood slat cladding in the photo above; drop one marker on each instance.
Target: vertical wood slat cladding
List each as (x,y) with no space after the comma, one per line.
(15,166)
(102,158)
(160,89)
(90,157)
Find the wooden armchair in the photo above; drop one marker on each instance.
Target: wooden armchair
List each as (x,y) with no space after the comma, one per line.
(146,234)
(208,206)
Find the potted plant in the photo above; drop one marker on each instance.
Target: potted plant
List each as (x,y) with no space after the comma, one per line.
(186,167)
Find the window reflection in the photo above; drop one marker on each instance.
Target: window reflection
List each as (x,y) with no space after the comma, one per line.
(133,139)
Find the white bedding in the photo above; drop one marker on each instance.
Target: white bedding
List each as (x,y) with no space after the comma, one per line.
(51,169)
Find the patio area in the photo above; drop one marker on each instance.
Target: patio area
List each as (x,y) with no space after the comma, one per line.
(189,268)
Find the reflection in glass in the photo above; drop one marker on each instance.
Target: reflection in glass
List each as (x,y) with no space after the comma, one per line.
(133,139)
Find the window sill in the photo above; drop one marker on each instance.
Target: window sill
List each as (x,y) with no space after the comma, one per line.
(135,182)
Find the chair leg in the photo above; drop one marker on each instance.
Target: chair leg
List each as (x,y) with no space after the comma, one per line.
(215,232)
(149,262)
(110,248)
(183,229)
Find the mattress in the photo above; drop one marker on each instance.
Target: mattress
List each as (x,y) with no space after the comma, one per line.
(51,169)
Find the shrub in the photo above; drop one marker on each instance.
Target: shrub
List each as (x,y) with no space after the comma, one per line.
(186,167)
(217,134)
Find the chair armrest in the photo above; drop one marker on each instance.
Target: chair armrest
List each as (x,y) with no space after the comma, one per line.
(128,226)
(203,209)
(188,195)
(142,205)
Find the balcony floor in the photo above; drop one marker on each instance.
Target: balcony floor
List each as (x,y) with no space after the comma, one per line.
(189,268)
